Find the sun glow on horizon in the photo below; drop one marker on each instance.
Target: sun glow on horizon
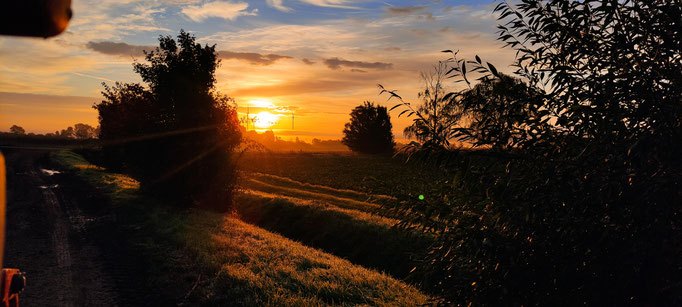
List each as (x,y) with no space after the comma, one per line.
(261,103)
(265,119)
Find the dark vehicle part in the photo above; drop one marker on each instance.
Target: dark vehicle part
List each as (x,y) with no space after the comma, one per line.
(12,283)
(38,18)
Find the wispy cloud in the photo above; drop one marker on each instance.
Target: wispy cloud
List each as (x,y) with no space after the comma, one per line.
(217,9)
(278,4)
(106,19)
(92,76)
(417,10)
(252,57)
(342,4)
(336,63)
(297,87)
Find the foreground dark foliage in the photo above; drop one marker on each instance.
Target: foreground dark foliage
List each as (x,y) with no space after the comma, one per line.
(176,134)
(575,198)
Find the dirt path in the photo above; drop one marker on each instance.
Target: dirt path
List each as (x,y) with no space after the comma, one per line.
(46,238)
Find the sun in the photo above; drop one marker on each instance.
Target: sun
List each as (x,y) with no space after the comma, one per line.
(265,119)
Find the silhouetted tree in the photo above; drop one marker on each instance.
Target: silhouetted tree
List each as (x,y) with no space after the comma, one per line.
(436,117)
(369,130)
(84,131)
(67,133)
(177,134)
(17,130)
(579,203)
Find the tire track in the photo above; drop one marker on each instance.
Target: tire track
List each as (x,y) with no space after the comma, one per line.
(46,238)
(60,238)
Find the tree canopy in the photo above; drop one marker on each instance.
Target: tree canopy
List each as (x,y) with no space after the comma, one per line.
(175,133)
(17,130)
(84,131)
(369,130)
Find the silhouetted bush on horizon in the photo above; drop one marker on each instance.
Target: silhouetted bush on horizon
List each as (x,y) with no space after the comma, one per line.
(369,130)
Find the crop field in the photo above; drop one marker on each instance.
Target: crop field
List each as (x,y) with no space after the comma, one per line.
(373,175)
(289,243)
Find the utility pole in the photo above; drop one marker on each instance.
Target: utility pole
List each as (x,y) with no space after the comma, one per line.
(292,120)
(247,117)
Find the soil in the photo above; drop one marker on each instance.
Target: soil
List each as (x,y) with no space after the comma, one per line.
(62,234)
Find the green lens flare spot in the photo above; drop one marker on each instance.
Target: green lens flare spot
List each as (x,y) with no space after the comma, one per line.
(421,197)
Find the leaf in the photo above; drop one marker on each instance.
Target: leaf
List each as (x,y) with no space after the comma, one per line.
(478,59)
(493,70)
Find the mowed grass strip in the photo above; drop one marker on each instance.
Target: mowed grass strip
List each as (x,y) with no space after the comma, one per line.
(363,238)
(197,257)
(342,202)
(321,205)
(342,193)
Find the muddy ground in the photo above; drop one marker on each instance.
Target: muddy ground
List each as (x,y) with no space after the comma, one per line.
(63,236)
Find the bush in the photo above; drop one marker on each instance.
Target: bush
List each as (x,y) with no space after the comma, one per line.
(176,134)
(369,130)
(575,199)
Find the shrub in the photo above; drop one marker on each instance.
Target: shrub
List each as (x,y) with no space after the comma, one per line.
(577,199)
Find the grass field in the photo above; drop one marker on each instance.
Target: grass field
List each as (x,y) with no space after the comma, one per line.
(199,257)
(376,175)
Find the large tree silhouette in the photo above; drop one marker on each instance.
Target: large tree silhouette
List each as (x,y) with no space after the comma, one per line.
(176,134)
(369,130)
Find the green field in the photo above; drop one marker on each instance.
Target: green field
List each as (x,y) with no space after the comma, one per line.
(200,257)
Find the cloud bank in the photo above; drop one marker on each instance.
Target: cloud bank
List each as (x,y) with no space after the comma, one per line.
(336,63)
(252,57)
(120,49)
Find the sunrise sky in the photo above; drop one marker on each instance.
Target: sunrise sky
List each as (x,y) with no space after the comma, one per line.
(315,58)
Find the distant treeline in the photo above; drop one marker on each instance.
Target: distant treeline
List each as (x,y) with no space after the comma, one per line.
(41,140)
(78,131)
(80,135)
(275,143)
